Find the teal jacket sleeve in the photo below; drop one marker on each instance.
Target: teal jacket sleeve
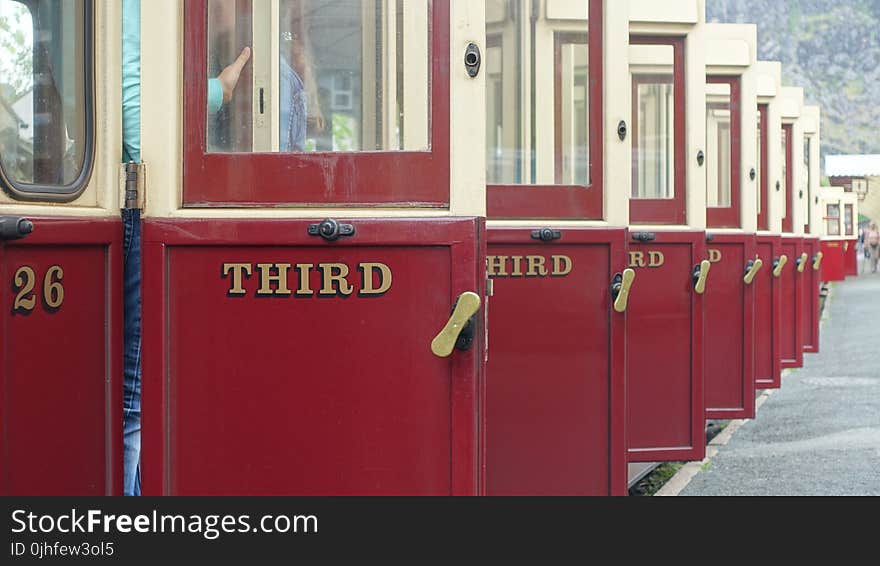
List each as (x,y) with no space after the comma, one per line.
(131,80)
(215,96)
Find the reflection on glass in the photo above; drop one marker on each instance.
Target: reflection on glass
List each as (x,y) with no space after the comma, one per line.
(832,220)
(848,224)
(537,93)
(654,140)
(784,180)
(42,91)
(322,76)
(808,179)
(759,182)
(718,112)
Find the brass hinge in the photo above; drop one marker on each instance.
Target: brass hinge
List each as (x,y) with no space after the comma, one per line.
(132,181)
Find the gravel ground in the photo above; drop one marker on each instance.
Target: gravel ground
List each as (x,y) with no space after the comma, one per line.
(820,434)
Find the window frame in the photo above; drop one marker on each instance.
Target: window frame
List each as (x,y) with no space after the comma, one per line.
(38,192)
(730,216)
(829,217)
(849,228)
(664,211)
(788,217)
(387,179)
(568,202)
(764,188)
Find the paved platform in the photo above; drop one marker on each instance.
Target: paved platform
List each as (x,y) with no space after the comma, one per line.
(818,435)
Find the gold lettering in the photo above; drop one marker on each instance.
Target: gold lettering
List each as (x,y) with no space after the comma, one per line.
(637,259)
(656,259)
(385,278)
(238,270)
(562,265)
(536,266)
(266,279)
(517,266)
(329,277)
(497,265)
(304,289)
(715,256)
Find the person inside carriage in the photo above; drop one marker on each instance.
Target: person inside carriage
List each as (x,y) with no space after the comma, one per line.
(299,114)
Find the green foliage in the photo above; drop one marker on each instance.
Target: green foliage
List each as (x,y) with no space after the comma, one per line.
(16,51)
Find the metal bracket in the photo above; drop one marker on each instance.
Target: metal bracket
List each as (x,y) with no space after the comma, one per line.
(14,228)
(472,60)
(331,230)
(132,184)
(644,237)
(547,235)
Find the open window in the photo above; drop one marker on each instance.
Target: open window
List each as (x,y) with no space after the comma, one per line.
(659,133)
(340,102)
(723,117)
(544,109)
(46,98)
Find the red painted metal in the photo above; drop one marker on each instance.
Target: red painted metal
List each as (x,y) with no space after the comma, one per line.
(564,201)
(851,258)
(788,219)
(61,368)
(729,329)
(768,316)
(555,377)
(665,211)
(812,287)
(763,216)
(310,395)
(729,217)
(396,178)
(791,326)
(833,261)
(664,341)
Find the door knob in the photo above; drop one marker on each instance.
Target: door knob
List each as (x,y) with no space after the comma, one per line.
(620,289)
(701,274)
(779,265)
(817,261)
(458,332)
(752,270)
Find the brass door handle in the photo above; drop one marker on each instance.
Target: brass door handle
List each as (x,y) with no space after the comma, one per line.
(620,288)
(817,261)
(802,263)
(752,270)
(466,307)
(779,265)
(701,274)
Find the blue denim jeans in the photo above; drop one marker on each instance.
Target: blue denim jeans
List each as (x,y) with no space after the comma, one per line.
(131,249)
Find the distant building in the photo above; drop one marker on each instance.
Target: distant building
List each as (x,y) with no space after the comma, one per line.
(859,174)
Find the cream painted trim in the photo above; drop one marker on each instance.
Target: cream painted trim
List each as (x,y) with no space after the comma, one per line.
(812,118)
(162,112)
(666,12)
(100,198)
(618,107)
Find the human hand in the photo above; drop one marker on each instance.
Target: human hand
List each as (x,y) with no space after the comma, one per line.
(229,76)
(316,123)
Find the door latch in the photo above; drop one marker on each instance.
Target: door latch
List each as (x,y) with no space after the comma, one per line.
(547,235)
(459,331)
(14,228)
(817,261)
(778,265)
(752,270)
(802,262)
(701,275)
(331,230)
(620,288)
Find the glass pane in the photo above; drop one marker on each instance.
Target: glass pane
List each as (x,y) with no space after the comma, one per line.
(42,91)
(718,112)
(537,93)
(318,75)
(848,220)
(784,180)
(808,179)
(654,142)
(832,220)
(759,186)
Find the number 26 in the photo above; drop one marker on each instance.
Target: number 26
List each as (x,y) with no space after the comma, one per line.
(53,291)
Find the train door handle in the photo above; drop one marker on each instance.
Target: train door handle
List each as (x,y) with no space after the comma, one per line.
(701,275)
(14,228)
(778,265)
(802,262)
(752,270)
(459,331)
(817,261)
(620,288)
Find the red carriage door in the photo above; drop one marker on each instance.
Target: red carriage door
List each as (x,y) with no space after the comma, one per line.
(60,263)
(313,311)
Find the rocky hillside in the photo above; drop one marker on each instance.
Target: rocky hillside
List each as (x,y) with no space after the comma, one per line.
(832,49)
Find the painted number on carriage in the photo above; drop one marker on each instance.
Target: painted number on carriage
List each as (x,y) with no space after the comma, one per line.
(24,284)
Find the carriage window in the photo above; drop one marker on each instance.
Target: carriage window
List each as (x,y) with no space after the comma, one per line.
(718,165)
(538,93)
(832,220)
(808,180)
(759,171)
(45,98)
(848,224)
(784,179)
(654,139)
(318,76)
